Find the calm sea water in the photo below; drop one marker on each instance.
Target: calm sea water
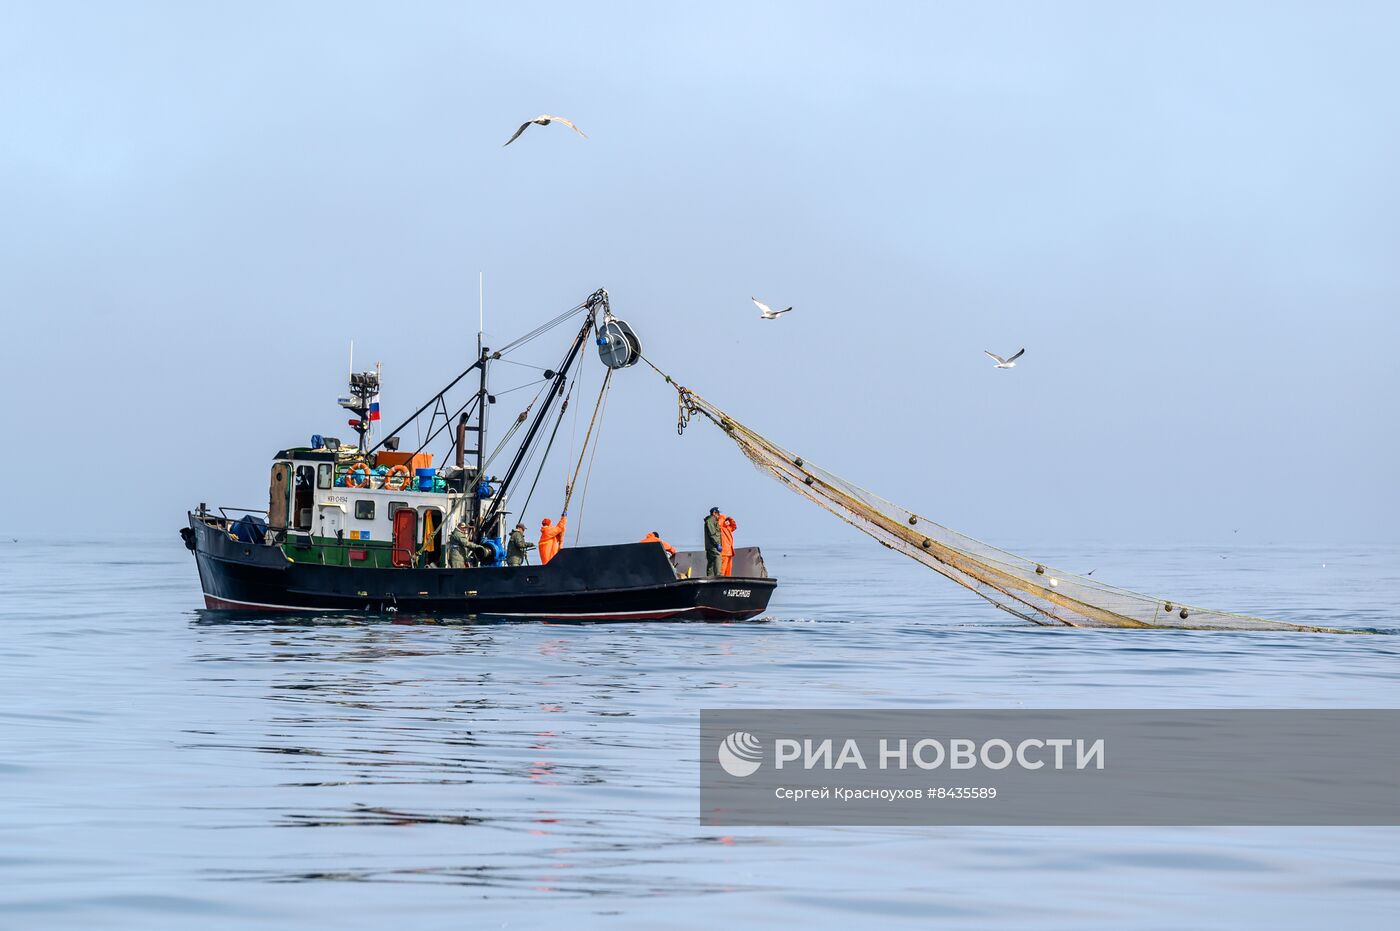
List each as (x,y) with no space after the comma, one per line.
(165,768)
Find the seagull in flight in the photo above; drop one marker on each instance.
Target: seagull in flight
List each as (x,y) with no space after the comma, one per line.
(544,119)
(767,313)
(1005,363)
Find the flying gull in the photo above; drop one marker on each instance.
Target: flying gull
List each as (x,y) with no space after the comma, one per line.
(544,119)
(1005,363)
(767,313)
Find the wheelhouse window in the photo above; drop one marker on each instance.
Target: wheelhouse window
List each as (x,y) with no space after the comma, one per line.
(325,475)
(364,509)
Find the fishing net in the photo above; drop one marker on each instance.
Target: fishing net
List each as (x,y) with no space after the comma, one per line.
(1030,590)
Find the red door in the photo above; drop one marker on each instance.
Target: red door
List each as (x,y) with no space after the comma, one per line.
(405,536)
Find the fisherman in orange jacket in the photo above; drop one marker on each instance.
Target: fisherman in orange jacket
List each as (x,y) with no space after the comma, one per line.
(552,537)
(727,526)
(655,537)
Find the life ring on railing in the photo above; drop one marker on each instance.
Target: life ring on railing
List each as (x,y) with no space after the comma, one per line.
(397,478)
(351,476)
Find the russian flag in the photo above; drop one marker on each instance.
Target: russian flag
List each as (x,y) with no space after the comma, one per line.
(374,408)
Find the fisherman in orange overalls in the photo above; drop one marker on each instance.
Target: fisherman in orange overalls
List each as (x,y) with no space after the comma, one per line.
(727,526)
(655,537)
(552,537)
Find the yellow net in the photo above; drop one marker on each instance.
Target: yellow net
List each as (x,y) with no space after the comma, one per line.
(1030,590)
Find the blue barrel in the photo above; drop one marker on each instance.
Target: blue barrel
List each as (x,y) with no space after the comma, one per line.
(425,479)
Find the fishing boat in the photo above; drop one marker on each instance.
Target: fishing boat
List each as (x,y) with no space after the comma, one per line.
(365,527)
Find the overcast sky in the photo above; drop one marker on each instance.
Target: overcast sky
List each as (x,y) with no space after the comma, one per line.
(1188,213)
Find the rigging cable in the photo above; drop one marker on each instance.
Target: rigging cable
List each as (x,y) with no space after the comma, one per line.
(540,330)
(528,365)
(573,428)
(470,402)
(529,447)
(557,423)
(597,407)
(524,415)
(583,499)
(519,387)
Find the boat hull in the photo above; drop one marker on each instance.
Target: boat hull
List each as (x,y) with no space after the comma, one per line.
(628,582)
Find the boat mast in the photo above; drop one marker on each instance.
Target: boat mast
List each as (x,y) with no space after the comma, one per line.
(363,387)
(483,400)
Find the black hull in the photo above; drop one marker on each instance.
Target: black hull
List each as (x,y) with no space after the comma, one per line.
(629,582)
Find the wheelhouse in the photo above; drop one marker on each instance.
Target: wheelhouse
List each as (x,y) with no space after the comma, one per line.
(338,506)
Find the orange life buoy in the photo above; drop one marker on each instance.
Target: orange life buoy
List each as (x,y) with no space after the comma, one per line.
(351,476)
(399,472)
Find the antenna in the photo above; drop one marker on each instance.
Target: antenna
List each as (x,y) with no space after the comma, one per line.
(352,357)
(481,309)
(378,370)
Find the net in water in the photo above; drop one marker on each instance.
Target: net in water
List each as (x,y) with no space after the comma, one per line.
(1028,589)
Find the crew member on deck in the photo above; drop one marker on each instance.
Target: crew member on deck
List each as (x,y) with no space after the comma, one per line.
(517,546)
(552,537)
(727,526)
(655,537)
(714,542)
(459,544)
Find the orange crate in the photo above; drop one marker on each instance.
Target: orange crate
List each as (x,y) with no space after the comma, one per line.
(414,462)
